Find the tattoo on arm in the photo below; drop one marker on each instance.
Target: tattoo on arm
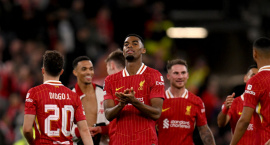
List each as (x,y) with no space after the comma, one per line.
(206,135)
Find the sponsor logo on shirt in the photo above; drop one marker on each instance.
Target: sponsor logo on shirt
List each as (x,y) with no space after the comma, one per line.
(175,123)
(159,83)
(240,113)
(180,124)
(140,99)
(163,110)
(117,89)
(188,110)
(166,124)
(28,100)
(250,92)
(141,85)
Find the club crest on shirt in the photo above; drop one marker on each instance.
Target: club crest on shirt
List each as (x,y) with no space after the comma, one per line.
(141,85)
(188,110)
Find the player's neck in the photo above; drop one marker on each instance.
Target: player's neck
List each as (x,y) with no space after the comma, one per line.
(85,87)
(177,92)
(133,67)
(48,78)
(262,63)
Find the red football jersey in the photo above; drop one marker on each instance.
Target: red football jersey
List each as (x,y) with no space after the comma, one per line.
(257,96)
(55,107)
(132,127)
(235,113)
(179,117)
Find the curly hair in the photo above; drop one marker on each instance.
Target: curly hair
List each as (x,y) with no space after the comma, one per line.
(53,62)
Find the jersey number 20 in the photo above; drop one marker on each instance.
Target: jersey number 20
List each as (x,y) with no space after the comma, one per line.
(55,117)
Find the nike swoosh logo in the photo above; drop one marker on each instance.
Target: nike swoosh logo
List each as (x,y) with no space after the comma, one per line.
(239,113)
(119,88)
(163,110)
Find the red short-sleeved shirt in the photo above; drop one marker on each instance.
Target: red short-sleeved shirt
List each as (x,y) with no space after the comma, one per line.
(179,117)
(55,107)
(257,96)
(132,127)
(235,113)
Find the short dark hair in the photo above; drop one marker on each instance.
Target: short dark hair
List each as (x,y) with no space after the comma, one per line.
(136,35)
(78,59)
(170,63)
(118,57)
(251,67)
(262,43)
(53,62)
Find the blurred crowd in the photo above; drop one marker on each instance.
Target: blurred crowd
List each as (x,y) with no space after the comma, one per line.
(81,27)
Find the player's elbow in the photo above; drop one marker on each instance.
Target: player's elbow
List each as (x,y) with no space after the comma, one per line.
(221,124)
(243,123)
(108,116)
(156,115)
(27,130)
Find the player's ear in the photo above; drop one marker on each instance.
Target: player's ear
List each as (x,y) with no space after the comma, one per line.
(245,78)
(74,72)
(255,54)
(168,76)
(112,64)
(61,72)
(143,50)
(42,70)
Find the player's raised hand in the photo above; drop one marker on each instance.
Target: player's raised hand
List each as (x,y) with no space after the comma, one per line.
(229,100)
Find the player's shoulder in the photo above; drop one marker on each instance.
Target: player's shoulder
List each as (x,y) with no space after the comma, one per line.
(37,88)
(99,88)
(150,70)
(114,76)
(238,98)
(69,91)
(194,98)
(259,77)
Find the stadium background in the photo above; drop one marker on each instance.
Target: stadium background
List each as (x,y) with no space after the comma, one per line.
(217,63)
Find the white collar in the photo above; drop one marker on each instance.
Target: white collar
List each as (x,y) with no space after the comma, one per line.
(140,71)
(265,68)
(170,95)
(53,82)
